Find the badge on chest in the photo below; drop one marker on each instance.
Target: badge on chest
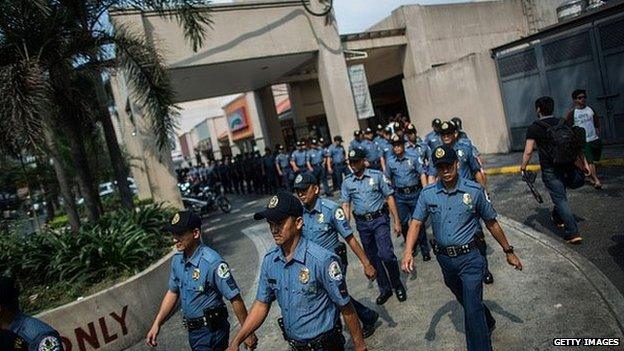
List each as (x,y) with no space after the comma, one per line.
(304,275)
(196,274)
(467,200)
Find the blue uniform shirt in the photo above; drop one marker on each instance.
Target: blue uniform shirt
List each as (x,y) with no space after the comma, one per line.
(384,145)
(454,213)
(468,164)
(324,223)
(337,153)
(367,194)
(404,171)
(37,334)
(309,289)
(355,144)
(463,138)
(201,281)
(282,160)
(315,156)
(299,157)
(433,140)
(373,151)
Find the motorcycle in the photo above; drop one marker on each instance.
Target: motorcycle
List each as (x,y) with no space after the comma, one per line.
(202,198)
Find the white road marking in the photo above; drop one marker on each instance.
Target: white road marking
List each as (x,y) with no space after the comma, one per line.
(216,220)
(236,210)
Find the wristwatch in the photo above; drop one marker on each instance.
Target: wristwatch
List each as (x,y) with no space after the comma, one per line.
(509,250)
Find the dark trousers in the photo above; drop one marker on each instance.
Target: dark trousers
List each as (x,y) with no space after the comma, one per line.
(321,175)
(554,181)
(207,339)
(464,276)
(339,170)
(406,203)
(287,179)
(377,243)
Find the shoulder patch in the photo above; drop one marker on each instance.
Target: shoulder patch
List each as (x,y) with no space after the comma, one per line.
(223,271)
(340,215)
(49,343)
(335,272)
(487,196)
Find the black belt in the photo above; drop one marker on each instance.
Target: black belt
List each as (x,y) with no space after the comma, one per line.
(408,189)
(371,215)
(454,251)
(327,340)
(211,316)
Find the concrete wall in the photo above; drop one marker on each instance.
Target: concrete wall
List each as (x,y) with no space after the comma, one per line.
(467,88)
(115,318)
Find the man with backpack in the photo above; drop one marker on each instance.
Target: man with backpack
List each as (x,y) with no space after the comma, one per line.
(560,152)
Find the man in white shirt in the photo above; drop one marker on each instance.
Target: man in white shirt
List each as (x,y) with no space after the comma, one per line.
(585,117)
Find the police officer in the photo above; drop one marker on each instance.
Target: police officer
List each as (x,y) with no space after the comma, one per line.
(269,171)
(417,148)
(324,222)
(315,160)
(298,158)
(408,178)
(284,170)
(433,137)
(200,278)
(307,282)
(336,165)
(357,140)
(382,141)
(20,330)
(455,206)
(463,138)
(370,194)
(374,154)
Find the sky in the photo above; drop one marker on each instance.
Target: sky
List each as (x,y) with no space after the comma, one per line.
(357,15)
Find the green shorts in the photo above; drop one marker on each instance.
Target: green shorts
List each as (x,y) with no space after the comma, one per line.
(593,151)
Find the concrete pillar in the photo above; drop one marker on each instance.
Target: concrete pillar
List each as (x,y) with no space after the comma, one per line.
(257,124)
(268,117)
(130,140)
(300,123)
(333,78)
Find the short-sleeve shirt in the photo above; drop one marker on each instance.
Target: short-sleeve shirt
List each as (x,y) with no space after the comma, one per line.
(355,144)
(540,135)
(367,193)
(404,171)
(201,281)
(468,164)
(384,145)
(299,157)
(373,151)
(310,288)
(454,213)
(282,161)
(315,156)
(433,140)
(585,118)
(463,138)
(324,223)
(336,153)
(37,334)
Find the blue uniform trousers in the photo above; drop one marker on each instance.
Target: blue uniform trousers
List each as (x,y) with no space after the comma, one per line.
(321,174)
(287,178)
(406,203)
(464,276)
(339,170)
(207,339)
(377,242)
(365,314)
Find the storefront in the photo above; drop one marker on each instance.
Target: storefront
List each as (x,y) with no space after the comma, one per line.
(239,124)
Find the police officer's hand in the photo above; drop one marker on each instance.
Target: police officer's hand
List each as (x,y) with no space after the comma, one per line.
(407,264)
(397,228)
(150,339)
(513,260)
(251,342)
(370,272)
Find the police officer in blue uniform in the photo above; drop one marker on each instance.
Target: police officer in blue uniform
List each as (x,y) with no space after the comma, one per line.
(306,280)
(374,154)
(408,178)
(336,162)
(200,278)
(455,206)
(383,135)
(24,332)
(284,170)
(463,138)
(369,193)
(433,137)
(356,143)
(417,148)
(298,158)
(324,222)
(315,159)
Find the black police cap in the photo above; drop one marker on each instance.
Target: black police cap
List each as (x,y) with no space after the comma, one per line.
(304,180)
(357,132)
(444,154)
(447,127)
(357,154)
(183,222)
(313,141)
(368,131)
(410,129)
(379,127)
(436,122)
(395,139)
(280,207)
(338,138)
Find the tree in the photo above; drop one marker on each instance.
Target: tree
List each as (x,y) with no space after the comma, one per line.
(59,44)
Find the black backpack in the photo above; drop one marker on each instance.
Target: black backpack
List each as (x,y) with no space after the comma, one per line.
(564,142)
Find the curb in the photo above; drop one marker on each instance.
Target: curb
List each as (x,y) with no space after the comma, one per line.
(603,286)
(535,168)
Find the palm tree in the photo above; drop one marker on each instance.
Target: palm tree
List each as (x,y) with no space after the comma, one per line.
(48,47)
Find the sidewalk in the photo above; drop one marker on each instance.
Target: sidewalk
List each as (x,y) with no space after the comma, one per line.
(559,294)
(495,164)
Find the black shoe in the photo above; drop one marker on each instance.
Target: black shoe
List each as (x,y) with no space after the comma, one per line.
(426,257)
(382,298)
(369,329)
(488,279)
(492,325)
(400,294)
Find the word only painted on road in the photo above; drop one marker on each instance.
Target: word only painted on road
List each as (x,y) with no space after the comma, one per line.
(96,334)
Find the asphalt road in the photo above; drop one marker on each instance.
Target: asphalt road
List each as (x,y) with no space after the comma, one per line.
(599,214)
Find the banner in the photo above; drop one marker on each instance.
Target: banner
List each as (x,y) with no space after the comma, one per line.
(237,120)
(361,94)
